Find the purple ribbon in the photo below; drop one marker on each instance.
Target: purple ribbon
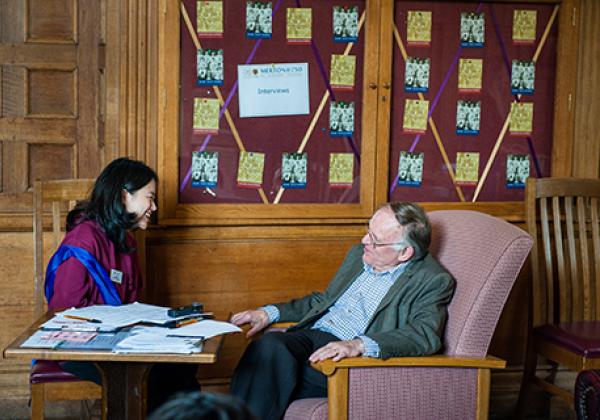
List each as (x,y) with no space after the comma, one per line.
(500,41)
(517,99)
(323,72)
(435,101)
(226,104)
(536,163)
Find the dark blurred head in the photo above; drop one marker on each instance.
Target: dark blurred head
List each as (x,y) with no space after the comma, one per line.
(202,406)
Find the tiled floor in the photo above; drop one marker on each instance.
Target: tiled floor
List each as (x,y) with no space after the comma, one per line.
(18,410)
(60,410)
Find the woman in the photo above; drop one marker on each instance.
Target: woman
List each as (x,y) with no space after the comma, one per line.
(97,261)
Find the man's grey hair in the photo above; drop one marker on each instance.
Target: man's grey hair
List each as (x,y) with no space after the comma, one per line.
(417,229)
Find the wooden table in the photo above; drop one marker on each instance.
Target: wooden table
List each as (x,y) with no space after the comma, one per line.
(123,375)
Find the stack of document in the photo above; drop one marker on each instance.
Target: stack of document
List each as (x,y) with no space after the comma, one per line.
(186,339)
(156,340)
(60,322)
(123,315)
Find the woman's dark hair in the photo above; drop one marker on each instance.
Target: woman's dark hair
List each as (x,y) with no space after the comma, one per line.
(105,205)
(202,406)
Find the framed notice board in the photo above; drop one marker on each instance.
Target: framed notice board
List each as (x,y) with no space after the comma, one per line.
(481,98)
(483,77)
(302,111)
(268,104)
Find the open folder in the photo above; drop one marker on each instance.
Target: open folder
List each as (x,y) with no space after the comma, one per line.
(41,339)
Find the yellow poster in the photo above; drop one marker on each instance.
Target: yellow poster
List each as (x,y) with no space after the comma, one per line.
(299,25)
(521,118)
(250,169)
(467,167)
(341,169)
(415,116)
(209,19)
(470,72)
(206,116)
(343,68)
(524,26)
(418,27)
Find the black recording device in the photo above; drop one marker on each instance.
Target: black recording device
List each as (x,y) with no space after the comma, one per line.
(194,308)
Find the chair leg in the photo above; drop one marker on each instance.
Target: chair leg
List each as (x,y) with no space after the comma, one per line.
(37,401)
(91,409)
(553,371)
(528,374)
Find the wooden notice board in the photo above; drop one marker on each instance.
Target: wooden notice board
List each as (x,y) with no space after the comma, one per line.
(189,192)
(474,81)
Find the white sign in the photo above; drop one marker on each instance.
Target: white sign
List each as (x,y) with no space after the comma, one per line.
(267,90)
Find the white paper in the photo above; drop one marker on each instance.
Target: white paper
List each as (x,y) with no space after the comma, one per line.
(267,90)
(120,316)
(207,329)
(59,322)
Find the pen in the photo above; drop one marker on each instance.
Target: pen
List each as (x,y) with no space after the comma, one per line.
(80,318)
(186,322)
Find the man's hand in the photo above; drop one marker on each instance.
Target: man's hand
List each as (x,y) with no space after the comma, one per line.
(338,350)
(258,320)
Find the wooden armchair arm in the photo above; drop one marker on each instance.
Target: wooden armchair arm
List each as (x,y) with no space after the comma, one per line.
(328,367)
(337,376)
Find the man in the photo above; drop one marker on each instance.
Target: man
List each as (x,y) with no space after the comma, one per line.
(387,299)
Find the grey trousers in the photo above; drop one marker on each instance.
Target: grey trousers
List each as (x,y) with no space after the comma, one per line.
(274,371)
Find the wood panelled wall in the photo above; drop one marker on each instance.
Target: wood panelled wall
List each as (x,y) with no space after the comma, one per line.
(75,92)
(48,129)
(586,153)
(78,88)
(234,268)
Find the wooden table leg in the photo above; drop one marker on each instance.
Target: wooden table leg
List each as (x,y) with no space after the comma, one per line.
(124,389)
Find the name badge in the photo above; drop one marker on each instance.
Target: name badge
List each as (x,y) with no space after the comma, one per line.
(116,276)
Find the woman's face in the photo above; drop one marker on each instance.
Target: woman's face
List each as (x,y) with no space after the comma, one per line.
(141,203)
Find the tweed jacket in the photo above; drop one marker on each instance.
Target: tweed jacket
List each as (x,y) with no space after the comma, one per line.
(410,318)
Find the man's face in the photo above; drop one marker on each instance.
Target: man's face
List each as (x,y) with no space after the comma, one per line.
(385,229)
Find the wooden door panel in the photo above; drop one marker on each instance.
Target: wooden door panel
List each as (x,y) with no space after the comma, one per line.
(51,21)
(49,95)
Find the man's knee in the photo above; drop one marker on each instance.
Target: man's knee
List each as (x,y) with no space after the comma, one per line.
(269,343)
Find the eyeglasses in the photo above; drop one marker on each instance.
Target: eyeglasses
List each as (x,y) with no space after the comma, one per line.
(376,244)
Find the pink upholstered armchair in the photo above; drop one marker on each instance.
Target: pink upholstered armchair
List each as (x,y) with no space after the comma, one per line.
(485,255)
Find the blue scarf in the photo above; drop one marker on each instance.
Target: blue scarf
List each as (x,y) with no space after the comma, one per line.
(97,272)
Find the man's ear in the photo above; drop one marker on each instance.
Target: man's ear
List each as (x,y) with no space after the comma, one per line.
(406,254)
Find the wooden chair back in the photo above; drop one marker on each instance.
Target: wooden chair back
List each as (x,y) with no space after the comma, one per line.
(61,196)
(566,256)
